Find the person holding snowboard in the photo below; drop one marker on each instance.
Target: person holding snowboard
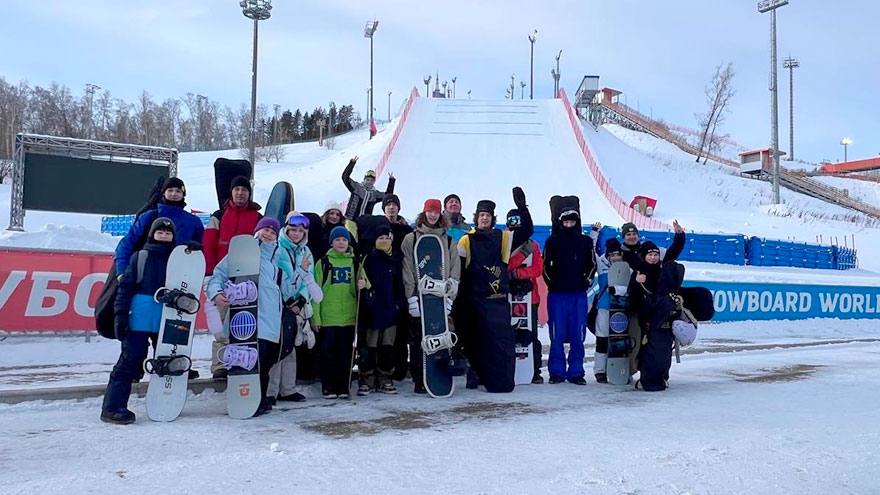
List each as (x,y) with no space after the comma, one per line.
(485,252)
(382,280)
(238,216)
(297,310)
(364,195)
(275,286)
(568,267)
(458,227)
(525,279)
(429,222)
(653,282)
(138,317)
(335,316)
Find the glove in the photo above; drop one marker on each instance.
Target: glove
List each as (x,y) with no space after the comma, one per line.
(612,290)
(414,307)
(448,306)
(523,337)
(120,327)
(194,245)
(519,198)
(451,288)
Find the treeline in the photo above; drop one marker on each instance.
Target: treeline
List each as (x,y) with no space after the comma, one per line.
(191,123)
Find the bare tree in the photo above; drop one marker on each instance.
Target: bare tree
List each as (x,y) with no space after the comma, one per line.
(273,152)
(718,95)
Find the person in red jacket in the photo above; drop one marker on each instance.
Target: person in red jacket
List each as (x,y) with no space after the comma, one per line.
(238,216)
(519,272)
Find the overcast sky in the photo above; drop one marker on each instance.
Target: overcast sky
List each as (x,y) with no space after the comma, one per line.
(661,54)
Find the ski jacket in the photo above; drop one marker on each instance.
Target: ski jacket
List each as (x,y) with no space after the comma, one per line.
(304,282)
(383,273)
(569,260)
(135,298)
(338,308)
(458,227)
(631,253)
(451,266)
(274,287)
(362,200)
(187,227)
(225,224)
(519,271)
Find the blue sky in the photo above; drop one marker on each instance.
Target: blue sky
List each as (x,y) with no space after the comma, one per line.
(660,54)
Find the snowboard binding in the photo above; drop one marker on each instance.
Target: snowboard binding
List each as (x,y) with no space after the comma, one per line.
(243,356)
(432,286)
(240,293)
(435,343)
(180,300)
(173,365)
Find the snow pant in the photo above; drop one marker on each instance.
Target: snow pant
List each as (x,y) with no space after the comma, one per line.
(336,358)
(466,331)
(600,359)
(416,363)
(282,376)
(536,342)
(268,356)
(495,344)
(568,322)
(377,354)
(655,356)
(401,347)
(129,366)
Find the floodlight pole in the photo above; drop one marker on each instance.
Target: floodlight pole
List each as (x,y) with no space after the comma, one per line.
(771,6)
(791,64)
(532,38)
(257,10)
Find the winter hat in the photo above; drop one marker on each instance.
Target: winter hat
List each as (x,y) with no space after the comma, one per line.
(487,206)
(340,231)
(451,196)
(370,173)
(241,181)
(391,198)
(162,223)
(513,218)
(648,247)
(332,205)
(432,205)
(629,227)
(173,182)
(612,245)
(268,223)
(383,229)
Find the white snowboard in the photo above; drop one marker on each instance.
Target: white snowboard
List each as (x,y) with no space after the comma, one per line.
(166,395)
(243,390)
(521,317)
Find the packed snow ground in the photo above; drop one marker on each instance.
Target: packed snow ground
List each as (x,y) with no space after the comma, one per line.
(790,416)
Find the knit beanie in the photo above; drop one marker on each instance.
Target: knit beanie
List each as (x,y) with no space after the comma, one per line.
(340,231)
(173,182)
(242,181)
(268,223)
(162,223)
(432,205)
(391,198)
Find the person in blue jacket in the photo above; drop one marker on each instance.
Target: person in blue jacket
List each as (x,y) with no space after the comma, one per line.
(189,227)
(138,316)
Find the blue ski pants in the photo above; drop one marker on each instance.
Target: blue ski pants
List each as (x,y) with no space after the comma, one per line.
(567,312)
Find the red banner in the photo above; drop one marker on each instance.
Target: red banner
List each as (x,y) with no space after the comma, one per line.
(50,290)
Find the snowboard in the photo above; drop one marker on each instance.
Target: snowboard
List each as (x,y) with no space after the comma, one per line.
(699,301)
(280,202)
(224,171)
(620,345)
(243,386)
(521,321)
(430,260)
(166,391)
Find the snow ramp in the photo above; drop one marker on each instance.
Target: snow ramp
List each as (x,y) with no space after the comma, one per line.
(481,149)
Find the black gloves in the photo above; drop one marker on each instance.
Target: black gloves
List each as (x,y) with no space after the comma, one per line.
(523,337)
(519,198)
(120,326)
(194,245)
(611,290)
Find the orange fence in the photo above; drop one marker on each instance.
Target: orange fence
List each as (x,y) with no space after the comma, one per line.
(389,148)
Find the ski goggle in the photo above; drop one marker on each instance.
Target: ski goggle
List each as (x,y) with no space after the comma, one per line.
(513,221)
(298,221)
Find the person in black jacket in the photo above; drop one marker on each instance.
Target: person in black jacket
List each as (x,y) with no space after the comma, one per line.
(569,261)
(653,281)
(364,195)
(485,252)
(382,279)
(632,245)
(138,316)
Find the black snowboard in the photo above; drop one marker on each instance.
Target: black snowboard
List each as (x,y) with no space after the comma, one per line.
(280,202)
(224,171)
(560,203)
(430,257)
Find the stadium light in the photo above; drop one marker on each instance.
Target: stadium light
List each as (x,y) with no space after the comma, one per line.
(771,6)
(369,31)
(256,10)
(845,142)
(532,38)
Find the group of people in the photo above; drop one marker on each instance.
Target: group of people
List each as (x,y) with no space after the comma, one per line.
(324,279)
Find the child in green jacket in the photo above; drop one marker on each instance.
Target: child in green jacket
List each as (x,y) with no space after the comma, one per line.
(335,316)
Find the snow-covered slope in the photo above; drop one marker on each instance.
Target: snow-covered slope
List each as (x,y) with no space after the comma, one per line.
(869,192)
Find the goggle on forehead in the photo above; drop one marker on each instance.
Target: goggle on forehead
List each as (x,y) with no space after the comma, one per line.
(298,221)
(513,221)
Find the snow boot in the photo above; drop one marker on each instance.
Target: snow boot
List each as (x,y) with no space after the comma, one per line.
(123,417)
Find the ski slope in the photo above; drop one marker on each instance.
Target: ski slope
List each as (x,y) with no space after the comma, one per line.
(481,149)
